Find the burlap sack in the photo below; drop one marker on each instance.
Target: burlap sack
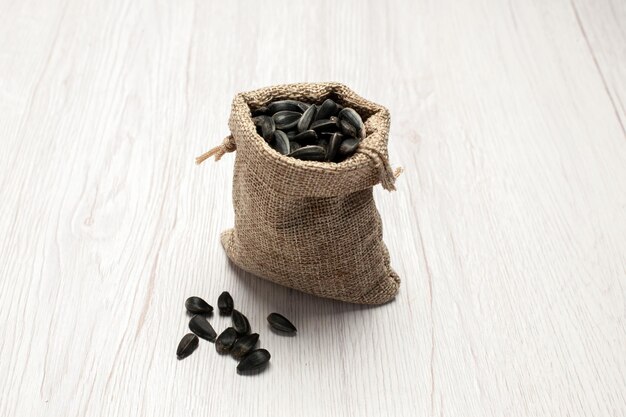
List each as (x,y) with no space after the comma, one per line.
(308,225)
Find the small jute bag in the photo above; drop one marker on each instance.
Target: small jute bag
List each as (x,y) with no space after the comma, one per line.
(312,226)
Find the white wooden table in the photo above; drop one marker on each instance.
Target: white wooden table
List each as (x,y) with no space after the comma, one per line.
(508,227)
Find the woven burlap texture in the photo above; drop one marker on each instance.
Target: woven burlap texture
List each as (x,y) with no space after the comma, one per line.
(311,226)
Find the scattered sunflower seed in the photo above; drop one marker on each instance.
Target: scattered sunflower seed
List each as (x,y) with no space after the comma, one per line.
(187,345)
(240,323)
(280,322)
(225,303)
(255,360)
(244,345)
(200,326)
(197,305)
(225,340)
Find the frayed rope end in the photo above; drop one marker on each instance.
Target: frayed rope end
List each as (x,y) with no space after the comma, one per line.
(228,145)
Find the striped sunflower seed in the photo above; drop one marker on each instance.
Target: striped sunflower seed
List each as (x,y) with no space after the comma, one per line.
(309,153)
(240,323)
(197,305)
(254,361)
(281,142)
(226,340)
(187,345)
(347,129)
(333,146)
(225,303)
(348,146)
(200,326)
(289,105)
(327,109)
(307,118)
(286,119)
(244,345)
(306,137)
(280,322)
(324,125)
(352,117)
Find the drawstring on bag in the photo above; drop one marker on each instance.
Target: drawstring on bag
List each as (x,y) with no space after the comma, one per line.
(386,174)
(228,145)
(380,162)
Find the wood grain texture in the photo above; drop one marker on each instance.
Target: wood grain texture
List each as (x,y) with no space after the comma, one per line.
(508,227)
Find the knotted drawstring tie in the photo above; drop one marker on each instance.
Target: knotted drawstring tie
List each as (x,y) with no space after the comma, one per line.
(228,145)
(380,162)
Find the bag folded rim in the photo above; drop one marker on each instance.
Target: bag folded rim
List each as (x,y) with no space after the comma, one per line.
(362,169)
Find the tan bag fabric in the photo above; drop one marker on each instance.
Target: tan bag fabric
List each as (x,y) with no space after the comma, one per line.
(309,225)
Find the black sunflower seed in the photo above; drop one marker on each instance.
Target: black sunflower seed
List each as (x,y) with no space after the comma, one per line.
(200,326)
(187,345)
(254,361)
(289,105)
(327,109)
(225,340)
(225,303)
(307,118)
(346,128)
(280,322)
(244,345)
(266,126)
(352,117)
(333,147)
(309,153)
(240,323)
(259,111)
(348,146)
(286,119)
(197,305)
(306,137)
(281,142)
(325,125)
